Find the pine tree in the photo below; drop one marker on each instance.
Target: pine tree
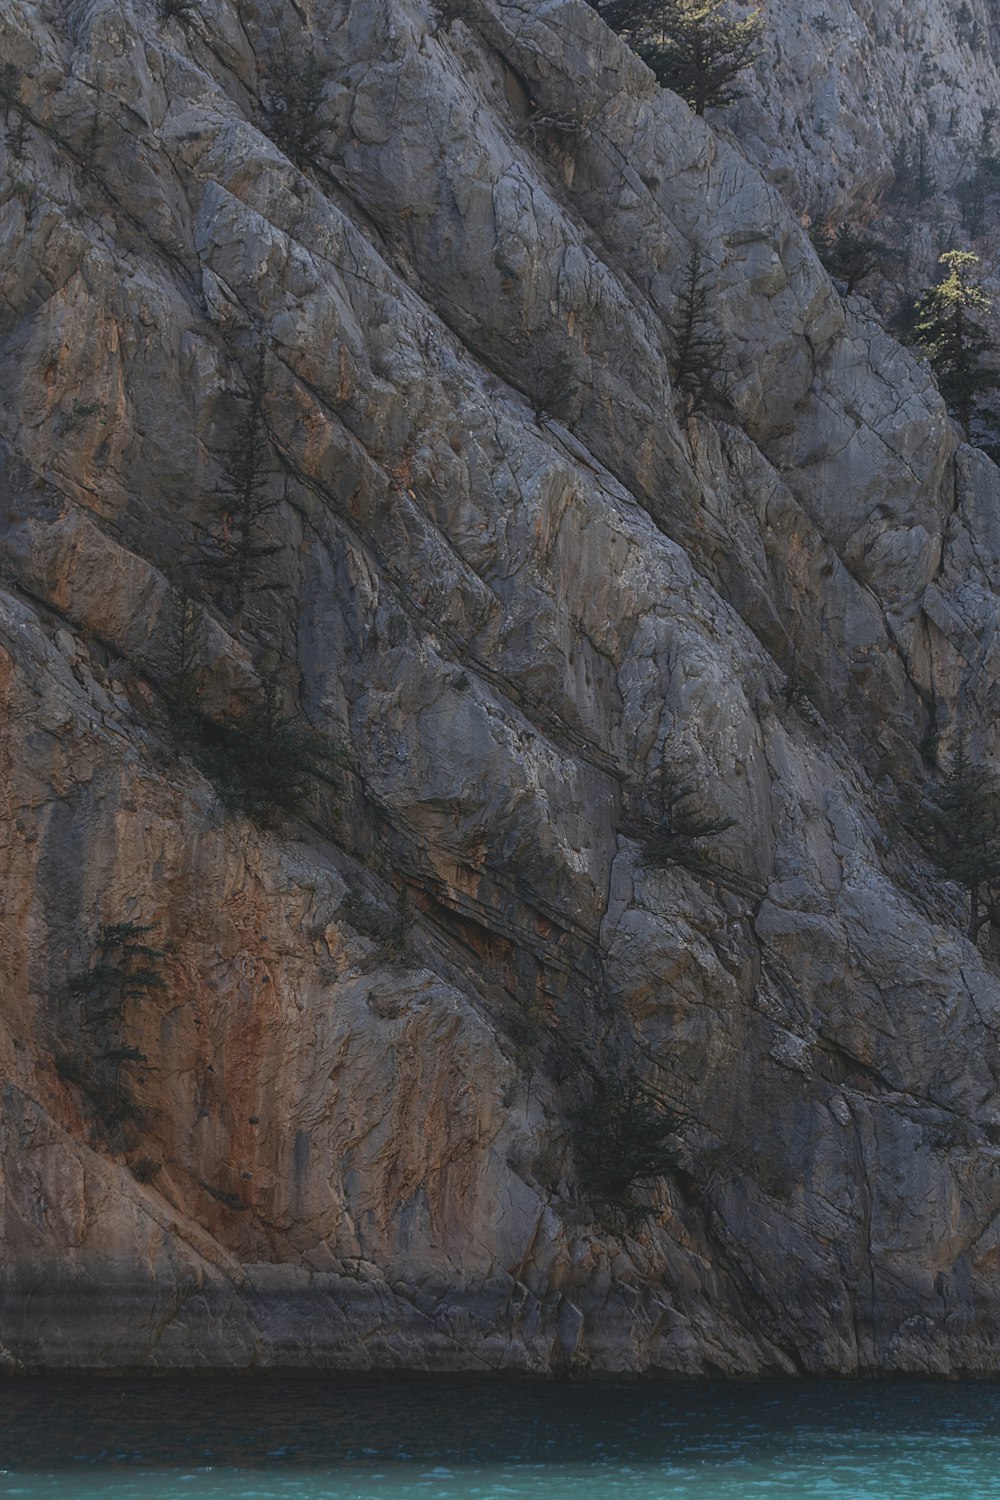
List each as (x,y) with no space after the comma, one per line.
(690,46)
(247,471)
(963,828)
(699,351)
(295,86)
(914,176)
(625,1137)
(971,195)
(125,968)
(950,331)
(849,255)
(265,760)
(682,822)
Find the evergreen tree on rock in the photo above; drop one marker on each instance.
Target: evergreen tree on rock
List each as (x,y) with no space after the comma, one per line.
(950,330)
(700,353)
(690,46)
(963,824)
(246,500)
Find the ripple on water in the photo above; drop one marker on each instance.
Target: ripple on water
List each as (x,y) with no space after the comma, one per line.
(294,1439)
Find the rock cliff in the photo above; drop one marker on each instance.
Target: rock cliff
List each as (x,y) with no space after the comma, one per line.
(331,1117)
(842,85)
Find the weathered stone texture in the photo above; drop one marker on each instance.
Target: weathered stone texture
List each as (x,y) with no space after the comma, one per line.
(515,576)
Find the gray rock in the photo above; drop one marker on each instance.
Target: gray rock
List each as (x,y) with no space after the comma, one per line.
(514,579)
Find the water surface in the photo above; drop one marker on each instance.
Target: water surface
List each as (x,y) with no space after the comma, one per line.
(290,1438)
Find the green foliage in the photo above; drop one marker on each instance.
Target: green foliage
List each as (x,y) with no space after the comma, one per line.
(974,192)
(699,352)
(264,761)
(125,968)
(295,86)
(914,180)
(682,822)
(240,553)
(949,328)
(549,381)
(261,760)
(850,255)
(625,1137)
(689,44)
(90,145)
(971,196)
(961,826)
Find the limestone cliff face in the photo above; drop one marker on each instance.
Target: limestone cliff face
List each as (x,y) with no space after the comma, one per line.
(517,577)
(843,84)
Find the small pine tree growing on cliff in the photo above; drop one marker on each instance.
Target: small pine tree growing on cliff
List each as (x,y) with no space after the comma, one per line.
(963,830)
(682,821)
(261,760)
(914,180)
(626,1136)
(949,328)
(549,381)
(240,551)
(265,760)
(125,968)
(971,195)
(295,86)
(850,255)
(689,44)
(699,352)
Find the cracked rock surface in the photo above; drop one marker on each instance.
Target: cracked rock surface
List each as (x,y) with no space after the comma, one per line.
(512,577)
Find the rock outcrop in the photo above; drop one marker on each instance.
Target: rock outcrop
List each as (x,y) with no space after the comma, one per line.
(519,586)
(845,88)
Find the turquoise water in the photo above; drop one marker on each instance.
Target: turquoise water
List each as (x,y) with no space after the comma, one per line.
(297,1439)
